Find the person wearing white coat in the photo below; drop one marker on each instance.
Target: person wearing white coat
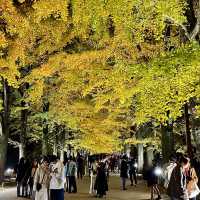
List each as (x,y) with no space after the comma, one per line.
(93,172)
(42,177)
(57,180)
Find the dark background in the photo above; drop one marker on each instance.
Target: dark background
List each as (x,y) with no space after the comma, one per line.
(12,157)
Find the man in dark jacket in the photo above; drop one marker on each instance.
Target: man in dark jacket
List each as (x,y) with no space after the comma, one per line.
(20,171)
(124,171)
(27,175)
(132,170)
(177,188)
(80,166)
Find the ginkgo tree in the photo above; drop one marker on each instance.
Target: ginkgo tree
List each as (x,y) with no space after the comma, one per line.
(92,50)
(28,38)
(106,31)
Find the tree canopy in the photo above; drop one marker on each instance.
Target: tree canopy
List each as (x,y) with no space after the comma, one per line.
(101,66)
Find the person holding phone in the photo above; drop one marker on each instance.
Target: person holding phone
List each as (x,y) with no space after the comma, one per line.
(57,179)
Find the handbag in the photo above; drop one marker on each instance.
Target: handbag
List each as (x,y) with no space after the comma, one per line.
(39,185)
(194,192)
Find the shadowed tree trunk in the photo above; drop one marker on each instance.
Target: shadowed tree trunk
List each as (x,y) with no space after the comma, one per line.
(24,117)
(188,133)
(55,145)
(62,144)
(45,131)
(5,128)
(23,134)
(150,156)
(167,141)
(140,157)
(45,139)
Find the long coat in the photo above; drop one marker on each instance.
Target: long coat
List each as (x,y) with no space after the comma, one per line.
(20,171)
(101,184)
(177,184)
(124,169)
(193,179)
(43,178)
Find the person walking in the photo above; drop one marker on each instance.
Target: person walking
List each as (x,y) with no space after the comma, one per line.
(93,172)
(80,166)
(57,179)
(20,172)
(106,164)
(152,180)
(177,188)
(67,175)
(124,171)
(31,179)
(41,180)
(168,168)
(112,163)
(132,170)
(101,185)
(72,175)
(27,175)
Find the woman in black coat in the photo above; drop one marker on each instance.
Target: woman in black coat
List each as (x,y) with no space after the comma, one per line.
(101,184)
(124,171)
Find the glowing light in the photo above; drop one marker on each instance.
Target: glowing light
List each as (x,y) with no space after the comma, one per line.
(9,171)
(135,165)
(158,171)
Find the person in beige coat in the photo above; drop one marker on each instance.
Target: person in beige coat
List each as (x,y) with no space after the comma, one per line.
(42,178)
(192,181)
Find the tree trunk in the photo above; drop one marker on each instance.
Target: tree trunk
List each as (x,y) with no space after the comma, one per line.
(62,155)
(45,140)
(24,116)
(55,146)
(3,155)
(45,130)
(23,134)
(167,142)
(191,13)
(62,144)
(5,128)
(188,133)
(128,150)
(140,157)
(21,151)
(150,156)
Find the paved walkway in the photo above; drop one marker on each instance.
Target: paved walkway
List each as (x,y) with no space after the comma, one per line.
(141,192)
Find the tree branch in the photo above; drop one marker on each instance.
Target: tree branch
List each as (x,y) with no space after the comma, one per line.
(170,20)
(190,36)
(14,143)
(196,29)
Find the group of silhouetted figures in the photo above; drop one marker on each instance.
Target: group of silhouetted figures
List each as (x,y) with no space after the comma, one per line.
(179,177)
(49,178)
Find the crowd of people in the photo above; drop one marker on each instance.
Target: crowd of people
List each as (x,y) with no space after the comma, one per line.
(178,177)
(50,178)
(181,180)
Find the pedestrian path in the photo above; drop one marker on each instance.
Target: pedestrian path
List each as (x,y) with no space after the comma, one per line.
(141,192)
